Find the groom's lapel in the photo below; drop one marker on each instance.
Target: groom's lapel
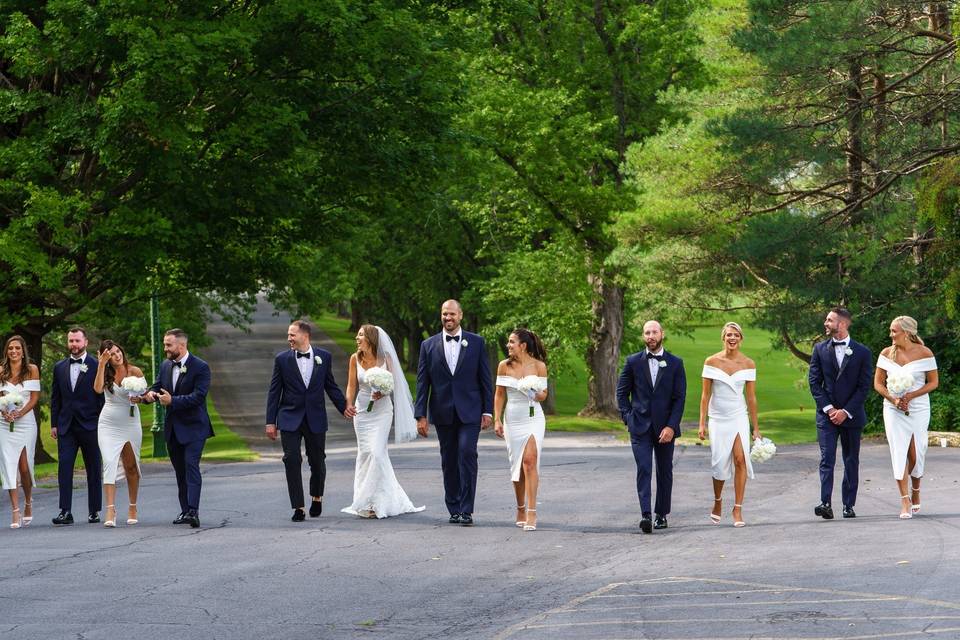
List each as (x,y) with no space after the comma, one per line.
(315,374)
(645,366)
(294,370)
(846,359)
(463,353)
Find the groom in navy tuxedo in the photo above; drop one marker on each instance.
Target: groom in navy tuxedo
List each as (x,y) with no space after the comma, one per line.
(455,393)
(296,407)
(841,376)
(182,390)
(74,414)
(650,394)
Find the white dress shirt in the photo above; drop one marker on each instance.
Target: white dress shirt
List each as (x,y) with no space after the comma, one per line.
(75,370)
(654,364)
(839,352)
(176,369)
(451,349)
(305,365)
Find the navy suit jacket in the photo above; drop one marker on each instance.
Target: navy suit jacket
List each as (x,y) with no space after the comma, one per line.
(846,387)
(186,417)
(82,404)
(467,393)
(290,403)
(647,408)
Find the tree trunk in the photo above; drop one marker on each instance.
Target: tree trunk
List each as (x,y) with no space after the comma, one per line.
(356,316)
(603,353)
(34,338)
(550,404)
(414,338)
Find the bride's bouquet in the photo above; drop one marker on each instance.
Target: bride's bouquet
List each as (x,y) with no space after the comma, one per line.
(134,387)
(898,383)
(531,386)
(381,381)
(11,401)
(763,449)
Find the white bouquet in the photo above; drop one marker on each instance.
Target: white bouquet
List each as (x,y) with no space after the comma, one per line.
(763,449)
(381,381)
(134,387)
(898,383)
(11,401)
(531,386)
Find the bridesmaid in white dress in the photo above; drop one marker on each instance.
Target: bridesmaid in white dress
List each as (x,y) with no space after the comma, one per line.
(119,434)
(512,421)
(376,491)
(17,447)
(729,402)
(907,434)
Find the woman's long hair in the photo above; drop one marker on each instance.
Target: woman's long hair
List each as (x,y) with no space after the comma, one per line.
(372,336)
(110,372)
(6,375)
(909,326)
(535,346)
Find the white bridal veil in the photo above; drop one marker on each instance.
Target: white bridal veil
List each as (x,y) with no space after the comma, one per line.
(404,424)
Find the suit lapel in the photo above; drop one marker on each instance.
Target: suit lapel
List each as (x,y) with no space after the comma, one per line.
(166,375)
(645,364)
(294,369)
(463,354)
(316,369)
(846,359)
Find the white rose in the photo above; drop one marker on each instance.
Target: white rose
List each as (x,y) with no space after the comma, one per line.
(464,344)
(318,360)
(663,364)
(848,351)
(183,369)
(83,368)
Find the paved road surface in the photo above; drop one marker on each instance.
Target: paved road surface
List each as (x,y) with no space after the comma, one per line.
(251,573)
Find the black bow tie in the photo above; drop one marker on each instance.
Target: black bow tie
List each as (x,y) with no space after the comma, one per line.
(176,363)
(452,338)
(76,360)
(839,343)
(655,357)
(303,355)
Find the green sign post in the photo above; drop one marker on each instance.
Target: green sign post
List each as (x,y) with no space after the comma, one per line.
(156,346)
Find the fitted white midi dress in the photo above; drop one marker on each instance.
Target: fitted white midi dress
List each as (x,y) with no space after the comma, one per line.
(22,438)
(727,418)
(519,426)
(899,426)
(115,429)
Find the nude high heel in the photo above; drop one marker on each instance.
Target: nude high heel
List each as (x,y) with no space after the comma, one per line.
(16,525)
(714,517)
(111,523)
(908,514)
(530,527)
(133,520)
(739,523)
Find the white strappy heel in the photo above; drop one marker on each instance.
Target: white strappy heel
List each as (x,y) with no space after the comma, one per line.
(133,520)
(714,517)
(530,527)
(111,524)
(16,525)
(739,523)
(520,523)
(27,519)
(908,514)
(914,508)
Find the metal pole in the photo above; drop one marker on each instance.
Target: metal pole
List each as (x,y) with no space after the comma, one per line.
(156,346)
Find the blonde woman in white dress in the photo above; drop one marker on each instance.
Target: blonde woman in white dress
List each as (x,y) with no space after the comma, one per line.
(17,446)
(907,434)
(512,420)
(376,491)
(728,406)
(119,434)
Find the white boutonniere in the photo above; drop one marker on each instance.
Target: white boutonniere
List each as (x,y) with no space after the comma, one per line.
(318,360)
(464,344)
(848,351)
(662,364)
(83,367)
(183,369)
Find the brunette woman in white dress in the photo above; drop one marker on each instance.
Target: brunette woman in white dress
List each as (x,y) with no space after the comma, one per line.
(119,432)
(513,421)
(728,406)
(376,491)
(18,444)
(906,418)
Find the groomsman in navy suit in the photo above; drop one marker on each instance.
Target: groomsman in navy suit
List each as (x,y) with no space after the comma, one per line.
(455,393)
(841,376)
(650,394)
(74,414)
(182,390)
(296,407)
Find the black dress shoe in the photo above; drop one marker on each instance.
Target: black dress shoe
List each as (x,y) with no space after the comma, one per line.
(454,519)
(316,508)
(466,519)
(646,525)
(824,510)
(298,515)
(848,512)
(193,519)
(65,517)
(660,522)
(181,519)
(94,517)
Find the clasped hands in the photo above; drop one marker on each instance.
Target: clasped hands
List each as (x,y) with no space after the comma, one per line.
(837,416)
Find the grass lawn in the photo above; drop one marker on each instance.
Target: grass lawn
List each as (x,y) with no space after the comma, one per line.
(226,446)
(786,408)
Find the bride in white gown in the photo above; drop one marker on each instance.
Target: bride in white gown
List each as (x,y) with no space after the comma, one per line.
(520,421)
(907,432)
(119,432)
(18,443)
(729,403)
(376,491)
